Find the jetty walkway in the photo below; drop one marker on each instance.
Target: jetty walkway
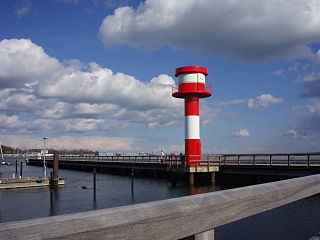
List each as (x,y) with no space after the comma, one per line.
(295,164)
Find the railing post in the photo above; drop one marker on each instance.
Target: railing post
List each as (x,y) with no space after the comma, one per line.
(308,156)
(254,160)
(208,235)
(238,159)
(288,160)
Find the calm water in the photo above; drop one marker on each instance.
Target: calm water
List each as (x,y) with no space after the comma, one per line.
(298,220)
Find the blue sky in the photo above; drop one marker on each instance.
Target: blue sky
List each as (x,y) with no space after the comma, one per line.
(98,74)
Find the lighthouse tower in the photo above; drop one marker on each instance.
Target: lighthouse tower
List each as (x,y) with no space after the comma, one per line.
(192,86)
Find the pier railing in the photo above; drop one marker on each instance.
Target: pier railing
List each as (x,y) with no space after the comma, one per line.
(287,160)
(191,217)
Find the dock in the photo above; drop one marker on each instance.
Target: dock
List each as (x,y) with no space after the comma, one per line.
(27,183)
(205,166)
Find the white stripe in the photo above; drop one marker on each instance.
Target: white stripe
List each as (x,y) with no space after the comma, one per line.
(192,127)
(192,78)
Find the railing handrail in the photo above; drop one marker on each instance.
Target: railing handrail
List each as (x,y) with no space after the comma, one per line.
(289,160)
(166,219)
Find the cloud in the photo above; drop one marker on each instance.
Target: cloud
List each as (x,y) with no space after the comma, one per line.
(244,30)
(263,101)
(42,90)
(101,85)
(9,122)
(15,101)
(278,72)
(81,110)
(309,121)
(307,125)
(23,8)
(112,144)
(291,133)
(25,64)
(241,133)
(311,81)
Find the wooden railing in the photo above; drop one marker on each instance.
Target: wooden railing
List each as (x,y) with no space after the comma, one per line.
(191,217)
(288,160)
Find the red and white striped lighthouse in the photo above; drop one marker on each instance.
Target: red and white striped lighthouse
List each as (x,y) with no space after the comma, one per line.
(192,86)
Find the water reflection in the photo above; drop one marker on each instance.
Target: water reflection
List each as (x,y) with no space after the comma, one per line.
(54,200)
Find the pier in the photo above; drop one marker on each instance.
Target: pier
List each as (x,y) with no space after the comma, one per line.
(20,182)
(27,182)
(191,217)
(291,165)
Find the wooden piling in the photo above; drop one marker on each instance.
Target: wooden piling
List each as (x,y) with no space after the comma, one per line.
(213,177)
(191,178)
(55,179)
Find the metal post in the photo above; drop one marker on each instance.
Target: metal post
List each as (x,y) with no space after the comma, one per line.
(132,178)
(21,169)
(94,185)
(44,158)
(16,167)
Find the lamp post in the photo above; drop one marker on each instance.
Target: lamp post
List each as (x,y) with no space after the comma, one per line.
(44,158)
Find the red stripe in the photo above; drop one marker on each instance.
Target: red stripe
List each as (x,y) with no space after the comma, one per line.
(191,87)
(193,151)
(191,106)
(191,69)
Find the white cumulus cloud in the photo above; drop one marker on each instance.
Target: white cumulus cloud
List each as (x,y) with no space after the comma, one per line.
(263,101)
(24,63)
(241,133)
(244,30)
(76,97)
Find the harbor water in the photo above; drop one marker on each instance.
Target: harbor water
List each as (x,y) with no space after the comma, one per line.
(298,220)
